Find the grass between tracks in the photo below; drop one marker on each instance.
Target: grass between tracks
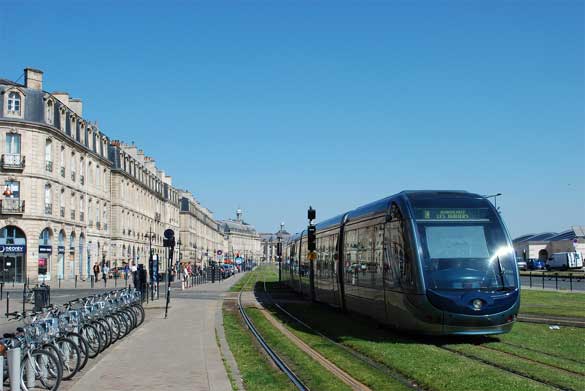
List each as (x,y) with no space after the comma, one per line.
(264,272)
(257,373)
(552,303)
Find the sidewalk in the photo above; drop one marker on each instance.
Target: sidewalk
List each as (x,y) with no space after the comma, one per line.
(178,353)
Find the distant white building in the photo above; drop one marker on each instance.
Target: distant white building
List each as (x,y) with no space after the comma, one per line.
(543,245)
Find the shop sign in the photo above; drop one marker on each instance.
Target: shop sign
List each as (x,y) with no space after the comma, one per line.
(13,248)
(45,249)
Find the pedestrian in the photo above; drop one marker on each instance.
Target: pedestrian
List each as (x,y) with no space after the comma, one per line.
(105,271)
(126,271)
(96,271)
(134,271)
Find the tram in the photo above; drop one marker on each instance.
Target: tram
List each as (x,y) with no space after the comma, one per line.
(429,262)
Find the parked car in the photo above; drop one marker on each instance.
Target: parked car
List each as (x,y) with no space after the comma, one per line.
(522,264)
(536,264)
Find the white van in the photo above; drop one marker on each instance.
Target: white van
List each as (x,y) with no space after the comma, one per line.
(565,261)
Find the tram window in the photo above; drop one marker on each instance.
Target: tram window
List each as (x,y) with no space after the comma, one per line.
(398,262)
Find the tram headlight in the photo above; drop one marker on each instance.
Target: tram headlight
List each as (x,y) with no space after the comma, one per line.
(477,304)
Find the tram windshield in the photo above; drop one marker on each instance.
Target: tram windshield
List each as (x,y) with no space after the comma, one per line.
(464,245)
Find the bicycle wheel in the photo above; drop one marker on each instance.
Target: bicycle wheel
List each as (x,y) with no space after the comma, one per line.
(114,326)
(107,329)
(40,370)
(83,348)
(139,313)
(123,322)
(70,355)
(132,316)
(92,337)
(49,347)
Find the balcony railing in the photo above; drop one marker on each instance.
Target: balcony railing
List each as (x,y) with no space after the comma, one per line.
(62,211)
(12,161)
(11,206)
(73,176)
(48,209)
(63,172)
(82,179)
(72,215)
(81,216)
(49,166)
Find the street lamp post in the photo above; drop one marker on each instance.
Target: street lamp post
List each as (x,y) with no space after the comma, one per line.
(495,197)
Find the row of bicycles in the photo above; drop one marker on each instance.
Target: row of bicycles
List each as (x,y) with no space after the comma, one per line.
(57,343)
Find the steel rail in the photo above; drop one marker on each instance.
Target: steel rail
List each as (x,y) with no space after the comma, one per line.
(275,358)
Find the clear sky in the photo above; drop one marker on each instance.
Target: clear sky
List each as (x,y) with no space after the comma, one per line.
(271,106)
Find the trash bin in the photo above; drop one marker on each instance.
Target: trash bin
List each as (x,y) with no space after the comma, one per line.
(42,296)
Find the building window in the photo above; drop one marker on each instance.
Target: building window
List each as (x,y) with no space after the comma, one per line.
(49,155)
(13,143)
(62,160)
(82,171)
(72,206)
(63,119)
(48,200)
(62,203)
(73,166)
(50,112)
(81,208)
(14,102)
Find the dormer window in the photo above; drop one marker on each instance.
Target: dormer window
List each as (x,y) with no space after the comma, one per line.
(50,111)
(13,103)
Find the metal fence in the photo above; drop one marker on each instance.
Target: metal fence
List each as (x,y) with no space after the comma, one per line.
(558,281)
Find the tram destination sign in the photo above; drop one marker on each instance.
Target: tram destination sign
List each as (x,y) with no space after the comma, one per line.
(12,248)
(451,214)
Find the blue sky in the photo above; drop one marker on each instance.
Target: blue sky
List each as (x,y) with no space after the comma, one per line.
(272,106)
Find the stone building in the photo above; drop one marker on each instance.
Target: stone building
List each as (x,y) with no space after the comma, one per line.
(243,240)
(269,243)
(201,237)
(55,172)
(71,197)
(144,204)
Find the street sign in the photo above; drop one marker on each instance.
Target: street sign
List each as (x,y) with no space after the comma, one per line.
(169,233)
(219,252)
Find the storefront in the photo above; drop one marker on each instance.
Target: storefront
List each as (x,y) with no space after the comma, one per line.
(12,254)
(45,253)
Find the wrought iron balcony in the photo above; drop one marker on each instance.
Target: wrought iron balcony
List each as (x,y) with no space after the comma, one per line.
(72,215)
(49,166)
(63,172)
(48,209)
(73,176)
(62,211)
(11,206)
(82,179)
(12,161)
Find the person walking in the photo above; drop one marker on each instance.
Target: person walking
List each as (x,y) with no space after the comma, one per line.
(105,271)
(96,271)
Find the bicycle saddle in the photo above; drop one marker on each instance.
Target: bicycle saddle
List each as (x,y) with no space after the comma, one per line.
(9,335)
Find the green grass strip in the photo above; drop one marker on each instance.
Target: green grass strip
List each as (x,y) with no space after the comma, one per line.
(312,373)
(535,370)
(366,374)
(257,373)
(552,303)
(566,342)
(430,366)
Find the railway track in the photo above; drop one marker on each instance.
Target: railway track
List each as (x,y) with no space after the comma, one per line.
(505,369)
(275,358)
(543,352)
(391,372)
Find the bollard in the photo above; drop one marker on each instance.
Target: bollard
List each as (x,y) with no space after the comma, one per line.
(13,282)
(59,280)
(531,279)
(570,284)
(23,298)
(115,281)
(7,303)
(557,281)
(91,281)
(147,287)
(542,280)
(13,362)
(76,280)
(1,290)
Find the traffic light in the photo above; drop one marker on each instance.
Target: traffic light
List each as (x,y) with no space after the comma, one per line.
(312,237)
(279,249)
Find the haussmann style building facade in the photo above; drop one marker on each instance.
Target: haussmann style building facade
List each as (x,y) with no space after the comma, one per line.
(72,197)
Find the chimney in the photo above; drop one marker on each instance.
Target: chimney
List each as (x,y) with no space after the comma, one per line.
(76,105)
(63,97)
(33,79)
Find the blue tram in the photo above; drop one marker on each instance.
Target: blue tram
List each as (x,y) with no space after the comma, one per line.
(431,262)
